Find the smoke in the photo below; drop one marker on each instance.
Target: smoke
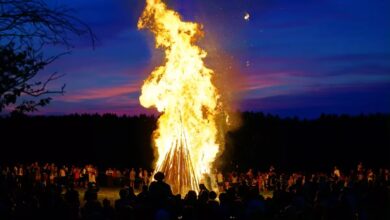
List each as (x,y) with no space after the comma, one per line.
(228,81)
(227,78)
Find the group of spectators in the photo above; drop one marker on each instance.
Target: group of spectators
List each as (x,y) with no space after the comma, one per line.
(131,177)
(49,191)
(271,180)
(49,174)
(78,176)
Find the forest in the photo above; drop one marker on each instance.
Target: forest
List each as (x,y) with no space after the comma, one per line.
(262,140)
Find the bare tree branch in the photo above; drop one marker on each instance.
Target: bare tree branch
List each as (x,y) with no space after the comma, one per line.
(36,92)
(26,28)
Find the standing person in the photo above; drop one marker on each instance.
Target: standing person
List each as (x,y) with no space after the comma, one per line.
(360,167)
(45,179)
(336,173)
(125,175)
(159,191)
(62,178)
(53,175)
(76,176)
(92,175)
(132,177)
(260,182)
(234,179)
(146,178)
(249,174)
(140,179)
(115,177)
(271,178)
(253,182)
(109,172)
(89,170)
(119,177)
(38,174)
(19,174)
(370,176)
(69,177)
(83,177)
(228,180)
(360,171)
(220,181)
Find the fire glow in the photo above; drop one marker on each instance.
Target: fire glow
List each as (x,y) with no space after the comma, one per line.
(187,138)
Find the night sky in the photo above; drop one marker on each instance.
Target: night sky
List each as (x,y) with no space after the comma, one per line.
(292,58)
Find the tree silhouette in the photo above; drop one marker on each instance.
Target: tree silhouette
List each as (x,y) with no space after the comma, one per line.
(289,144)
(27,27)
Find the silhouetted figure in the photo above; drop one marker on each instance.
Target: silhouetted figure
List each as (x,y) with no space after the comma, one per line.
(91,192)
(189,205)
(109,178)
(159,191)
(160,195)
(202,207)
(73,202)
(108,210)
(92,208)
(213,206)
(132,175)
(123,200)
(143,195)
(336,172)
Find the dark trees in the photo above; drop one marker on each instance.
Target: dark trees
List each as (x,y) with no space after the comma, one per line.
(262,140)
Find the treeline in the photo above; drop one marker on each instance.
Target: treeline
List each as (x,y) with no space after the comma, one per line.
(262,140)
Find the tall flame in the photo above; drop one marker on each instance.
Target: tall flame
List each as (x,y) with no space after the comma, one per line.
(187,138)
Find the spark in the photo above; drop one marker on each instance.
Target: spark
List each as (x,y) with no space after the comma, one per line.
(247,16)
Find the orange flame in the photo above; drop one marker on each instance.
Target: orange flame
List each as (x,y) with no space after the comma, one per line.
(187,138)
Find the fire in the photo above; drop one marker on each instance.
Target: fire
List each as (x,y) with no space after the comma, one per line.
(187,138)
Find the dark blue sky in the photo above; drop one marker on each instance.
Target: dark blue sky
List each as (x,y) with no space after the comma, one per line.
(291,58)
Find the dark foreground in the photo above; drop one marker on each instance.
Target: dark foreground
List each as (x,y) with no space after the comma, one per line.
(362,194)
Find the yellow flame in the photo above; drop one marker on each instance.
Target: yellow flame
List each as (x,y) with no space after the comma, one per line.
(181,89)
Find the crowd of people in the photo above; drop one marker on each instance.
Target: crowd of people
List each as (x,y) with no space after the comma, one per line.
(49,191)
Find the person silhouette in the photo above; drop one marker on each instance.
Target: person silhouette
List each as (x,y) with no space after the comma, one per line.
(159,191)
